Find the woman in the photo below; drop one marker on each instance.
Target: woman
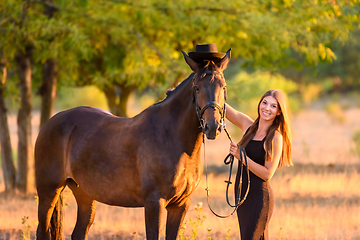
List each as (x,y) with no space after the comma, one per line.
(268,146)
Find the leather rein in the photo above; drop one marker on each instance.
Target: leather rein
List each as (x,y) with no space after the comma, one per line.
(229,160)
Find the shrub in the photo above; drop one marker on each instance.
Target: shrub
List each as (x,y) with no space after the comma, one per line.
(335,111)
(356,140)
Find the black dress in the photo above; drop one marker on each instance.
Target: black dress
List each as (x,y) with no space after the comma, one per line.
(255,212)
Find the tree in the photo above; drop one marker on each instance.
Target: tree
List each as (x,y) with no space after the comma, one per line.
(122,46)
(25,152)
(6,150)
(141,48)
(14,20)
(47,90)
(29,41)
(343,73)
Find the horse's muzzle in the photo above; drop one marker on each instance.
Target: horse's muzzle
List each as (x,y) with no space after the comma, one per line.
(212,130)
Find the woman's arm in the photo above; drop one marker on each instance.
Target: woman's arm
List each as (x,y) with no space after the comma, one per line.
(264,172)
(239,119)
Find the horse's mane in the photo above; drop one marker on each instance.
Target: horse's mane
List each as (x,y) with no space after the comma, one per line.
(172,91)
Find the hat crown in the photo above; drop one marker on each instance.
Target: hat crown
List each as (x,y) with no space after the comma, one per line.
(206,52)
(206,48)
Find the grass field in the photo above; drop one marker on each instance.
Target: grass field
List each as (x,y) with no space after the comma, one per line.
(317,198)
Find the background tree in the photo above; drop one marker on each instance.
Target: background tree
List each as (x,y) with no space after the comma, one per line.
(47,89)
(341,75)
(25,43)
(6,150)
(126,46)
(141,48)
(22,62)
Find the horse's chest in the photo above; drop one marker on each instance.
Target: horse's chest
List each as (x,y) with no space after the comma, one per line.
(185,179)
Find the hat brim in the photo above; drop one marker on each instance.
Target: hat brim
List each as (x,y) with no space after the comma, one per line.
(196,56)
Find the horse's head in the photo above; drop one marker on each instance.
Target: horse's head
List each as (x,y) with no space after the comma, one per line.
(209,88)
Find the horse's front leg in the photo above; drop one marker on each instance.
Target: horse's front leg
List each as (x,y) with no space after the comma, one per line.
(175,217)
(154,207)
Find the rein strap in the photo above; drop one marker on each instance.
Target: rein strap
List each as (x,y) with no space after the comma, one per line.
(229,160)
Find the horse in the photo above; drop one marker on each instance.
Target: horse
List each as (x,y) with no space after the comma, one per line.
(151,160)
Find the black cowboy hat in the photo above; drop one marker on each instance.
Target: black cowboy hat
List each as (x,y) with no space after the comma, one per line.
(206,52)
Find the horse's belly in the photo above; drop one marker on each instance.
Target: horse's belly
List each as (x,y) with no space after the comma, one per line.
(129,201)
(119,186)
(120,195)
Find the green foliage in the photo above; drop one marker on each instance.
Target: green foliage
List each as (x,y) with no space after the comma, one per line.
(245,90)
(85,96)
(340,75)
(195,224)
(25,232)
(137,44)
(228,234)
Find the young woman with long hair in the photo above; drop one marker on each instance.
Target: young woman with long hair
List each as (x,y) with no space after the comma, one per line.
(267,142)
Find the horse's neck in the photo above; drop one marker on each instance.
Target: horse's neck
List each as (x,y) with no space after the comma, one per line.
(182,112)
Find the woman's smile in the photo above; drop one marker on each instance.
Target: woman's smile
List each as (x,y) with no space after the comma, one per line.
(269,108)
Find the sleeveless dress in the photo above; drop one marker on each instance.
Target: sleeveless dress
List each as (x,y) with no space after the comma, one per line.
(255,212)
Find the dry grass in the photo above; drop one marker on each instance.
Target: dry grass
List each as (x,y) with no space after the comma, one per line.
(309,205)
(317,205)
(318,198)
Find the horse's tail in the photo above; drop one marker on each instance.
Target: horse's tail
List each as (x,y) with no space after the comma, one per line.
(56,222)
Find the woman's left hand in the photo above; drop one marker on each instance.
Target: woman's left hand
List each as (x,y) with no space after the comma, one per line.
(234,150)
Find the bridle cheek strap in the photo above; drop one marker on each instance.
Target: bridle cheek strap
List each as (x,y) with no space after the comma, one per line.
(214,105)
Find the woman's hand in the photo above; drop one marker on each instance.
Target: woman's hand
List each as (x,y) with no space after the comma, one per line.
(234,150)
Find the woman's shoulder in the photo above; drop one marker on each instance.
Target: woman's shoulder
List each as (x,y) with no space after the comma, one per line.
(277,140)
(278,137)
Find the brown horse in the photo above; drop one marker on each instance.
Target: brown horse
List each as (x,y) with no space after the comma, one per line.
(151,160)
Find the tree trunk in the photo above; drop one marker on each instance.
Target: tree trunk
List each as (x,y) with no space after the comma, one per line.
(6,151)
(121,107)
(47,90)
(110,98)
(25,176)
(117,99)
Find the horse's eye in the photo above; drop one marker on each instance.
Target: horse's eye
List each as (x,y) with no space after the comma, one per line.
(196,89)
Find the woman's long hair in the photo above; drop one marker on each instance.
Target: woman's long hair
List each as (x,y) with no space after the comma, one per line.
(281,123)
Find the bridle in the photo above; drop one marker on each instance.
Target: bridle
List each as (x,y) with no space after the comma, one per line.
(229,160)
(214,105)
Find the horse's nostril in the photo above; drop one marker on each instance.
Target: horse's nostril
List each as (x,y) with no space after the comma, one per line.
(206,128)
(212,129)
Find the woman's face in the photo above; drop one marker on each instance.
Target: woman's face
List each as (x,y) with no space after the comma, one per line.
(269,108)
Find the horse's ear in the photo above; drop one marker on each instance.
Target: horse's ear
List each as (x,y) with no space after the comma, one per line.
(192,64)
(222,64)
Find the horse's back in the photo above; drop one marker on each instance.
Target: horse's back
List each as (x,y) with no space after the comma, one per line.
(61,125)
(92,147)
(52,142)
